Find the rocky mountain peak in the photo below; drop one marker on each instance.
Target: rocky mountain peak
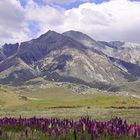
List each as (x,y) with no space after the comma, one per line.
(49,34)
(73,57)
(81,37)
(116,44)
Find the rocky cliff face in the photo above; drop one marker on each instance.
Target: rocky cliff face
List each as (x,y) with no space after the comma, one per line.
(125,51)
(72,57)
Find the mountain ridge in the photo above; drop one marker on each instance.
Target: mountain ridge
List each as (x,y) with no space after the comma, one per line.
(70,54)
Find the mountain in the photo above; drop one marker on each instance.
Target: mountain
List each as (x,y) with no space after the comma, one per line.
(8,50)
(70,57)
(125,51)
(81,38)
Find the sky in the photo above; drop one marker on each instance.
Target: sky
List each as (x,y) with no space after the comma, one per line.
(22,20)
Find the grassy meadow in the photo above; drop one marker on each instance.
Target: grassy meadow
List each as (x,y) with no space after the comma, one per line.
(63,103)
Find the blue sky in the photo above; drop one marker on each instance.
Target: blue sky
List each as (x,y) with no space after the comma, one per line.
(34,28)
(66,5)
(101,19)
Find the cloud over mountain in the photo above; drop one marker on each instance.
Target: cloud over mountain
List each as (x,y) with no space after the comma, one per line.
(112,20)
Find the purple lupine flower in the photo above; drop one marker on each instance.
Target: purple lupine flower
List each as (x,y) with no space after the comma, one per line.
(56,133)
(75,134)
(139,131)
(83,137)
(55,127)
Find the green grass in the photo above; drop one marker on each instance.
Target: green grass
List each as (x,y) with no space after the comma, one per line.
(75,113)
(62,102)
(95,101)
(60,97)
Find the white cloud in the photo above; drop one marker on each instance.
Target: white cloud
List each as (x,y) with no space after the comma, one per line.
(12,22)
(47,16)
(113,20)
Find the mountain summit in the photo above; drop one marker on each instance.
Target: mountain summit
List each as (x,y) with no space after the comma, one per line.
(71,57)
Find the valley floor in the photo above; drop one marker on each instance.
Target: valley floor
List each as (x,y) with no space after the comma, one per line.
(62,103)
(100,114)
